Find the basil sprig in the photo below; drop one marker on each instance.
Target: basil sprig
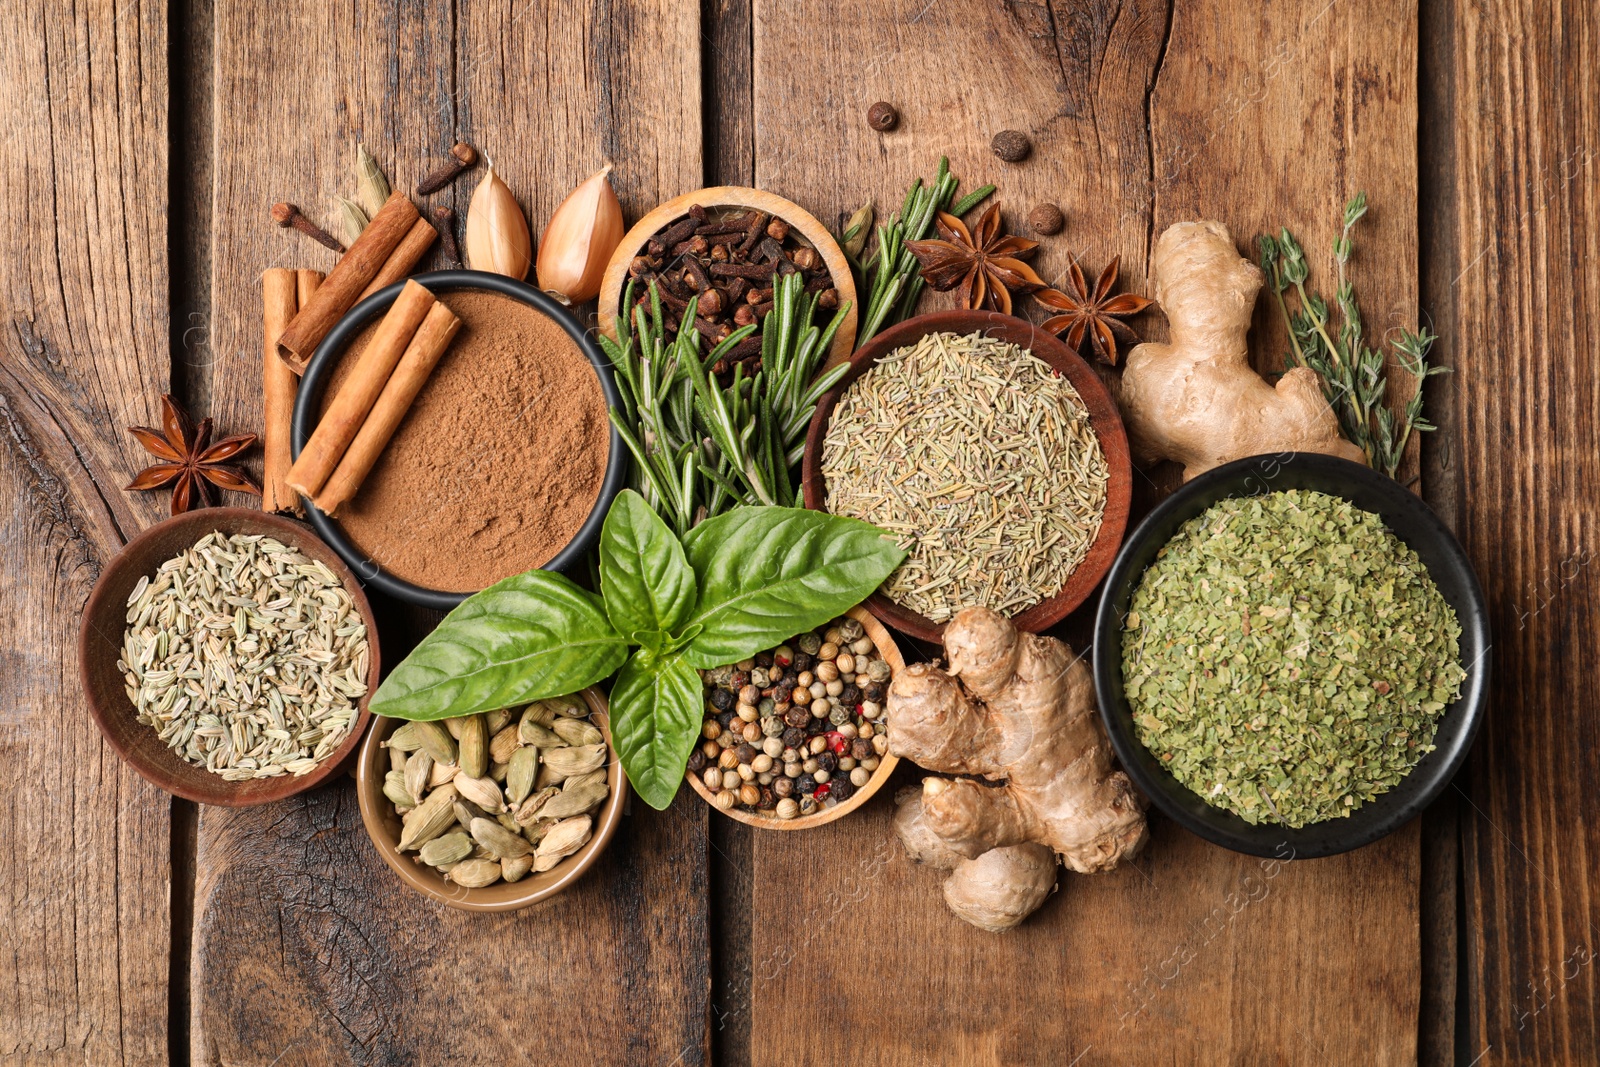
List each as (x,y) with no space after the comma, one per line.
(739,583)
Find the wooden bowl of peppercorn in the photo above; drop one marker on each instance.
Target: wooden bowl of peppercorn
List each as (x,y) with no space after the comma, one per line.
(884,648)
(678,244)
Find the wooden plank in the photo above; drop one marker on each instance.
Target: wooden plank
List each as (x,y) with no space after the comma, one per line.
(1259,118)
(305,945)
(1519,293)
(84,937)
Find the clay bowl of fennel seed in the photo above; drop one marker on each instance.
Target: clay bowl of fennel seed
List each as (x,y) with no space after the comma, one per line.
(992,452)
(283,671)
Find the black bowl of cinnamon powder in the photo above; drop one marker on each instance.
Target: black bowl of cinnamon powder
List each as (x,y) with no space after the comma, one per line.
(506,461)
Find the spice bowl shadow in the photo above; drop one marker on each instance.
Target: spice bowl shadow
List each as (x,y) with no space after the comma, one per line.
(1409,519)
(319,371)
(884,641)
(1103,419)
(100,637)
(384,826)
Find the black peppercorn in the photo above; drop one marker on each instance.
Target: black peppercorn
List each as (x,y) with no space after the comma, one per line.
(840,788)
(783,691)
(726,719)
(1012,146)
(746,752)
(860,749)
(739,680)
(794,737)
(882,116)
(722,699)
(769,799)
(803,661)
(873,691)
(851,696)
(697,761)
(782,787)
(827,761)
(797,716)
(763,659)
(805,784)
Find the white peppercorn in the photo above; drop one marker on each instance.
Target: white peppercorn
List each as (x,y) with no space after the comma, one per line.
(862,646)
(788,808)
(810,765)
(834,688)
(847,763)
(762,763)
(880,744)
(745,772)
(772,747)
(818,690)
(818,745)
(860,777)
(865,730)
(821,776)
(808,804)
(870,764)
(765,778)
(746,664)
(712,778)
(871,709)
(731,780)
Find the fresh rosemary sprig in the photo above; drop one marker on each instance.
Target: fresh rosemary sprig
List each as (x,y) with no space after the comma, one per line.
(890,274)
(700,448)
(1352,374)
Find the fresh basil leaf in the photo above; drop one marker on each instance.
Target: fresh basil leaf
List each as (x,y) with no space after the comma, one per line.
(530,637)
(765,574)
(655,721)
(644,578)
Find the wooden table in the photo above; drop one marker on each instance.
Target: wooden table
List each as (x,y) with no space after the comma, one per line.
(143,145)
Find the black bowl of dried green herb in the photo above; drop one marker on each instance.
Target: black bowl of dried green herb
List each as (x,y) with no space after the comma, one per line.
(1292,655)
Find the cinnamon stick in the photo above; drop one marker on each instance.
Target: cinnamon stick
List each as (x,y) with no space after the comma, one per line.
(280,301)
(306,282)
(347,281)
(406,255)
(344,416)
(421,356)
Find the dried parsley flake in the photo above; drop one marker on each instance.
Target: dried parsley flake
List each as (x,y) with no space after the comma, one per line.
(1287,657)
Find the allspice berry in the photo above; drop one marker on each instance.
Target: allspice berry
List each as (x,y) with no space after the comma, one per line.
(1012,146)
(1046,219)
(882,116)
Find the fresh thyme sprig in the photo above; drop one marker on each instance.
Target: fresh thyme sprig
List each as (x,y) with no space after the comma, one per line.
(1352,374)
(890,276)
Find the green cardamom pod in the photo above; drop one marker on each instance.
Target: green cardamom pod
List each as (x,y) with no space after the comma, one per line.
(503,744)
(352,220)
(528,812)
(857,230)
(576,732)
(419,768)
(372,188)
(451,848)
(474,746)
(394,787)
(474,874)
(497,720)
(567,762)
(519,775)
(480,791)
(436,740)
(498,840)
(406,737)
(575,801)
(540,736)
(513,868)
(429,819)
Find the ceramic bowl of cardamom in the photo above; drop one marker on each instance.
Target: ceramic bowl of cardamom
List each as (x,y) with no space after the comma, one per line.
(1366,699)
(186,665)
(547,804)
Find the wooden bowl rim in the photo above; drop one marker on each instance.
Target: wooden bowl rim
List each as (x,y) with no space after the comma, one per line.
(1103,417)
(718,196)
(886,645)
(162,767)
(372,766)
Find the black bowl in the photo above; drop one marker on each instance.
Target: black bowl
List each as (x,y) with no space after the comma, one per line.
(306,412)
(1410,520)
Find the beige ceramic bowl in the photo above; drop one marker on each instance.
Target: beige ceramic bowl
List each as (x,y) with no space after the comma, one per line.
(383,826)
(891,653)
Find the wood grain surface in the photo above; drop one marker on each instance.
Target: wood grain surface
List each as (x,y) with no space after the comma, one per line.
(1140,117)
(85,843)
(128,935)
(1518,291)
(305,945)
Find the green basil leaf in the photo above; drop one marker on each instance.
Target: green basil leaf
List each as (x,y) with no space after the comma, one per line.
(766,574)
(647,584)
(655,721)
(530,637)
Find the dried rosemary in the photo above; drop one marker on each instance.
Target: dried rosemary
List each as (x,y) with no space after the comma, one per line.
(983,464)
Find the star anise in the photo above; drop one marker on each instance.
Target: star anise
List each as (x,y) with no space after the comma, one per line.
(190,462)
(986,265)
(1095,314)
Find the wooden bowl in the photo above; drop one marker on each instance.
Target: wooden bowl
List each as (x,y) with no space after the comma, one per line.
(799,219)
(890,651)
(100,645)
(1103,417)
(383,826)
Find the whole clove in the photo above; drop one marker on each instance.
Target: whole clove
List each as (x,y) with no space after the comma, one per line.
(286,214)
(462,155)
(447,234)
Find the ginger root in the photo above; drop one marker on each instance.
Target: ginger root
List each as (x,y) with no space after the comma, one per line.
(1196,400)
(1016,708)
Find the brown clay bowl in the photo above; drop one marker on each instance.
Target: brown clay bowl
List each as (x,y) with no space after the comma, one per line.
(799,219)
(100,645)
(1103,417)
(383,826)
(890,651)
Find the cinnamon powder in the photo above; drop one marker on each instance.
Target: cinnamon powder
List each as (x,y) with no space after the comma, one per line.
(500,459)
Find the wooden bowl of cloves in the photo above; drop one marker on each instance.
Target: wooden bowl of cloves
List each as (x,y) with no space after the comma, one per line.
(725,245)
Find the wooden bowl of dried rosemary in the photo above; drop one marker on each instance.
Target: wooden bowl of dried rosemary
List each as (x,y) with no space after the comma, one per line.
(992,451)
(227,656)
